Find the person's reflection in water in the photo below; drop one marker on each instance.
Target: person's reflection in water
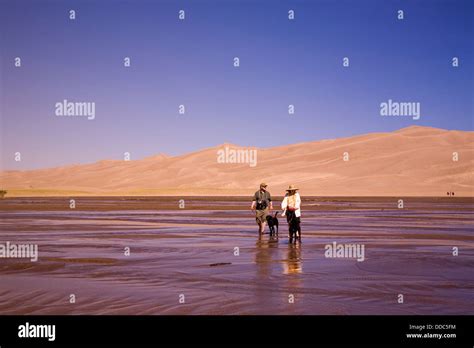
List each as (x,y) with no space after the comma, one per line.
(292,277)
(266,255)
(265,249)
(293,263)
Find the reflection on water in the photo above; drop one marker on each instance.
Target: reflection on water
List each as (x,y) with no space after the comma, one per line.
(266,255)
(266,252)
(293,263)
(173,251)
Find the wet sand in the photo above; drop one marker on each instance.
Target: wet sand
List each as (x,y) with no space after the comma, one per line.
(190,251)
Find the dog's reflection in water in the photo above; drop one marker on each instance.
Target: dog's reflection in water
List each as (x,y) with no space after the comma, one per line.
(292,264)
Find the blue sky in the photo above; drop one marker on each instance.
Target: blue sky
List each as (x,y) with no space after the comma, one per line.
(190,62)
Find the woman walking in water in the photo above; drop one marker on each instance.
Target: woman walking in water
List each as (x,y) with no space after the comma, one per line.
(291,206)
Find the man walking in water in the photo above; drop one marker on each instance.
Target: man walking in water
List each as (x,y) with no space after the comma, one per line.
(262,203)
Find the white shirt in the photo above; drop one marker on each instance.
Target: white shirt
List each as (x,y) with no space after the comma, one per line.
(284,204)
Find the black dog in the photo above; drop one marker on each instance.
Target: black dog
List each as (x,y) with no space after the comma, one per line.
(272,222)
(293,226)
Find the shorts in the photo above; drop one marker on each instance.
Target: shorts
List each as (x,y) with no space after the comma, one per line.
(261,215)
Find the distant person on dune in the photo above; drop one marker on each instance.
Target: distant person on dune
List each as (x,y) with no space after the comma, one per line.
(291,206)
(261,204)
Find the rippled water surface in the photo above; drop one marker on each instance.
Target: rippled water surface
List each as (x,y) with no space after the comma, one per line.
(191,252)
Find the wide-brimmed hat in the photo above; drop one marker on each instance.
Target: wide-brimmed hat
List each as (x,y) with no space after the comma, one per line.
(263,184)
(292,188)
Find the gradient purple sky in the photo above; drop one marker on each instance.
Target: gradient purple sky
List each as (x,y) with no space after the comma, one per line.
(191,62)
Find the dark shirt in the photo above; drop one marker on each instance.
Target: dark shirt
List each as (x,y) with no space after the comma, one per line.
(262,199)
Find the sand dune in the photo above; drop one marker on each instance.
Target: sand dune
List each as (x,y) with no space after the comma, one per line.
(414,161)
